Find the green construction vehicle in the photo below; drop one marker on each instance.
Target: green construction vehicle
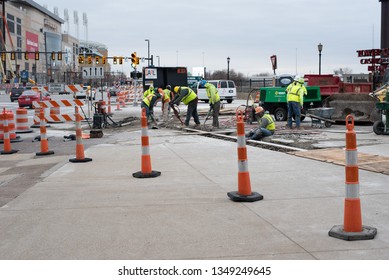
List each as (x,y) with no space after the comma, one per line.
(381,126)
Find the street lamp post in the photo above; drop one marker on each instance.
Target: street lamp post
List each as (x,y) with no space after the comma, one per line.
(148,51)
(320,48)
(228,68)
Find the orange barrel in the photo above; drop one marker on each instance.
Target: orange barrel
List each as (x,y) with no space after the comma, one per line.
(9,115)
(22,121)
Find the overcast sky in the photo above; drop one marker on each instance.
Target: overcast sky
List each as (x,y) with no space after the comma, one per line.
(204,33)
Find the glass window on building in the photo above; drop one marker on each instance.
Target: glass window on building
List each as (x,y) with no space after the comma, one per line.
(11,23)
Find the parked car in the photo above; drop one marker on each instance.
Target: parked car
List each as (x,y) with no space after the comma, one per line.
(226,89)
(29,96)
(16,92)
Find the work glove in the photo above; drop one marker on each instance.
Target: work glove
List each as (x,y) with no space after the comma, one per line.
(210,106)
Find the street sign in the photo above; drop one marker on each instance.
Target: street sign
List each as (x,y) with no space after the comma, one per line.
(24,76)
(92,72)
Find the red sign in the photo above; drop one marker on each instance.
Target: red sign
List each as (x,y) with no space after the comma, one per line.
(32,44)
(376,64)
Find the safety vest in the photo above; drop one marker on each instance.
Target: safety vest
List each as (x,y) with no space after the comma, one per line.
(270,125)
(167,95)
(148,92)
(295,92)
(189,97)
(213,94)
(147,99)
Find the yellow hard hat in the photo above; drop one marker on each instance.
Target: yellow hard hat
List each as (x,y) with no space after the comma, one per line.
(176,88)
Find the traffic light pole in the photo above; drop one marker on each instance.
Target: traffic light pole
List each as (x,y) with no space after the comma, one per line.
(135,104)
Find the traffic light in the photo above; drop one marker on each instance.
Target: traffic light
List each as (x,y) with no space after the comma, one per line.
(97,60)
(137,60)
(115,60)
(120,60)
(89,59)
(52,55)
(3,56)
(104,60)
(13,56)
(81,59)
(59,55)
(26,55)
(133,58)
(36,55)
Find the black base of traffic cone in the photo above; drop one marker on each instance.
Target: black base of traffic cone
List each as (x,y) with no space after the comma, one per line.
(80,160)
(153,174)
(366,233)
(235,196)
(9,152)
(45,153)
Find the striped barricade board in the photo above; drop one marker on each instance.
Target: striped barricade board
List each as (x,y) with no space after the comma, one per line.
(58,103)
(58,118)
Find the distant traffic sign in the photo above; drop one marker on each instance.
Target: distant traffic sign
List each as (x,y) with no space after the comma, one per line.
(92,72)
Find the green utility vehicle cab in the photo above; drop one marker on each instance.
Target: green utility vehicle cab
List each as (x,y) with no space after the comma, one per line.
(273,99)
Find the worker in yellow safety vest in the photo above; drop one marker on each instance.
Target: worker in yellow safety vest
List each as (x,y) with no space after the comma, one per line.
(295,100)
(148,103)
(188,97)
(214,101)
(166,98)
(266,125)
(149,91)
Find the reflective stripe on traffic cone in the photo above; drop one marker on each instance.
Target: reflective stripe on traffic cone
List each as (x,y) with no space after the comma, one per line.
(146,170)
(352,229)
(43,136)
(244,193)
(80,157)
(7,141)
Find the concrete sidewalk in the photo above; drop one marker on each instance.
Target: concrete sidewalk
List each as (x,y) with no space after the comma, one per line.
(98,210)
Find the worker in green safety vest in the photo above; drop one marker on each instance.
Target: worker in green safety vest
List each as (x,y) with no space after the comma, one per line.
(188,97)
(295,99)
(266,125)
(214,101)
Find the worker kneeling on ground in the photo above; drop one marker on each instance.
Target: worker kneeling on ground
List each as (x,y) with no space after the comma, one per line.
(266,125)
(188,97)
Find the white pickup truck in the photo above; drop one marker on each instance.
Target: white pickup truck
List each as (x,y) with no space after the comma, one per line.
(226,89)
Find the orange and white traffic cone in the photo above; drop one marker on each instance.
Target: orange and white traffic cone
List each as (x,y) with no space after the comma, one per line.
(80,157)
(352,229)
(146,170)
(7,141)
(109,104)
(43,136)
(244,193)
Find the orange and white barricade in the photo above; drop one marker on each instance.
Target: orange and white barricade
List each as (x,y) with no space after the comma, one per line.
(146,170)
(244,193)
(352,228)
(11,126)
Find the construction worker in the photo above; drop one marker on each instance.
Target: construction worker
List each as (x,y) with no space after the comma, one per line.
(149,91)
(295,98)
(188,97)
(148,103)
(214,101)
(165,97)
(266,125)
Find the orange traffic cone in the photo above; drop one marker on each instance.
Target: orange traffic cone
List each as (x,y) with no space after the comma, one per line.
(43,136)
(244,193)
(80,157)
(352,229)
(7,141)
(146,170)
